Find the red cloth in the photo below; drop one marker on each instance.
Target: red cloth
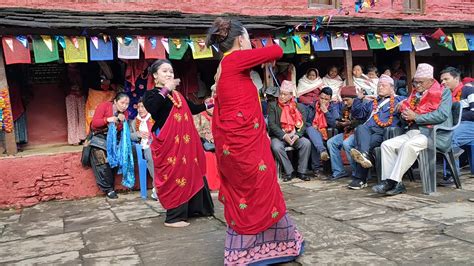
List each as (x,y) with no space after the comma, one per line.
(15,100)
(457,92)
(134,69)
(467,80)
(430,100)
(291,117)
(310,97)
(178,157)
(212,173)
(320,122)
(102,112)
(19,55)
(249,190)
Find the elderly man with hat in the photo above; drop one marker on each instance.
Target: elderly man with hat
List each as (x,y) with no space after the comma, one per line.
(345,139)
(286,128)
(429,104)
(379,113)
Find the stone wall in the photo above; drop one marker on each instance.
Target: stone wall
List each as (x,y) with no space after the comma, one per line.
(25,181)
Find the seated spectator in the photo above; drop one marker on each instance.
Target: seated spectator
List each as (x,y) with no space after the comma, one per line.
(397,71)
(373,74)
(362,82)
(319,117)
(333,81)
(429,104)
(140,131)
(378,113)
(203,122)
(286,128)
(464,134)
(345,139)
(309,86)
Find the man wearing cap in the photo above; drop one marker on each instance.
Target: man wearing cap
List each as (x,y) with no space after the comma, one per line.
(378,113)
(286,128)
(464,134)
(321,116)
(429,104)
(344,140)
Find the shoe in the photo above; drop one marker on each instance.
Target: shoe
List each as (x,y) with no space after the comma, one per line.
(333,178)
(153,194)
(446,182)
(286,178)
(324,156)
(399,188)
(112,195)
(361,158)
(383,187)
(357,184)
(316,173)
(303,177)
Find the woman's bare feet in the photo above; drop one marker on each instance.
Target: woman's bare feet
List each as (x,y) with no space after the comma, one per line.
(177,224)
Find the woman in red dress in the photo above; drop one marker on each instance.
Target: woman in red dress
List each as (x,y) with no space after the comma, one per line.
(176,149)
(259,229)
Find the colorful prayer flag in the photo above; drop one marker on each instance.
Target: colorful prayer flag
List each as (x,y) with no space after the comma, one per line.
(375,41)
(406,45)
(338,41)
(200,49)
(470,40)
(128,48)
(460,42)
(177,48)
(286,43)
(419,42)
(73,54)
(358,42)
(320,43)
(41,51)
(392,41)
(305,43)
(17,54)
(104,51)
(154,48)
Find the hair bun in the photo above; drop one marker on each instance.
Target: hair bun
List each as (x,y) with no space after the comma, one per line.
(219,31)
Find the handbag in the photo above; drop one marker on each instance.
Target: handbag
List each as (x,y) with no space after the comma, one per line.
(86,151)
(99,141)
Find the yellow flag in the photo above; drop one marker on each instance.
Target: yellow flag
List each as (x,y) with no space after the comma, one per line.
(199,47)
(305,43)
(73,54)
(460,42)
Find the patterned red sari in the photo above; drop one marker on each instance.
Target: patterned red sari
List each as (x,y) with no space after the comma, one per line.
(179,158)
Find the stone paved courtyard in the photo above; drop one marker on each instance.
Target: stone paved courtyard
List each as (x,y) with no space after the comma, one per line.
(340,227)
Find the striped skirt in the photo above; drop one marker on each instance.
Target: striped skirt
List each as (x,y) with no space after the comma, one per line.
(282,242)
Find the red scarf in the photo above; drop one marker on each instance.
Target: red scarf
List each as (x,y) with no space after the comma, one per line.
(291,117)
(457,93)
(178,157)
(430,100)
(320,122)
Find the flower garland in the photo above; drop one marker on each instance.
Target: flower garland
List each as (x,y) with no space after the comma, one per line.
(458,96)
(6,119)
(178,104)
(390,118)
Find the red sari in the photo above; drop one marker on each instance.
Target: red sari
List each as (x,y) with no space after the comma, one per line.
(178,157)
(249,190)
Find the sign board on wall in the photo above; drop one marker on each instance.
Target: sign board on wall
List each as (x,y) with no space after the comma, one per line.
(46,73)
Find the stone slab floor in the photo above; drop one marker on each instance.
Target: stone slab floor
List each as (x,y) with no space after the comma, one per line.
(340,226)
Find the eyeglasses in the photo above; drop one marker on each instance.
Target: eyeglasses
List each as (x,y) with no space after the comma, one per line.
(417,84)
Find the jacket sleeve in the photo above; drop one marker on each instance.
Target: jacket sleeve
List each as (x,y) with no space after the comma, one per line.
(253,57)
(360,110)
(152,100)
(310,112)
(274,127)
(99,118)
(439,115)
(332,115)
(303,111)
(195,108)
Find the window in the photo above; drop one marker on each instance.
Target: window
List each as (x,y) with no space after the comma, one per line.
(414,6)
(323,3)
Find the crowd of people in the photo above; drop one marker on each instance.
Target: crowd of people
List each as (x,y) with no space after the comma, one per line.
(321,120)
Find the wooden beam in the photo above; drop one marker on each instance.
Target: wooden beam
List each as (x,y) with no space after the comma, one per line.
(410,66)
(348,66)
(10,142)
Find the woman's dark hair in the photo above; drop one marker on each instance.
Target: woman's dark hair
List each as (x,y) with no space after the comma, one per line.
(156,65)
(333,66)
(373,69)
(223,33)
(312,69)
(361,67)
(120,96)
(327,91)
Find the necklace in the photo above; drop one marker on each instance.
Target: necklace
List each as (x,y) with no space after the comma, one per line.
(390,118)
(177,103)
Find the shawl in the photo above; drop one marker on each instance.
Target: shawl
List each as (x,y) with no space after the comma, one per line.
(335,84)
(320,122)
(305,85)
(366,84)
(291,117)
(121,155)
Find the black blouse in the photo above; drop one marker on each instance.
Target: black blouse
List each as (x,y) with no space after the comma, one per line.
(160,107)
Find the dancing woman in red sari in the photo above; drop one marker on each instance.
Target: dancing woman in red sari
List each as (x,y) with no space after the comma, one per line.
(176,149)
(259,229)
